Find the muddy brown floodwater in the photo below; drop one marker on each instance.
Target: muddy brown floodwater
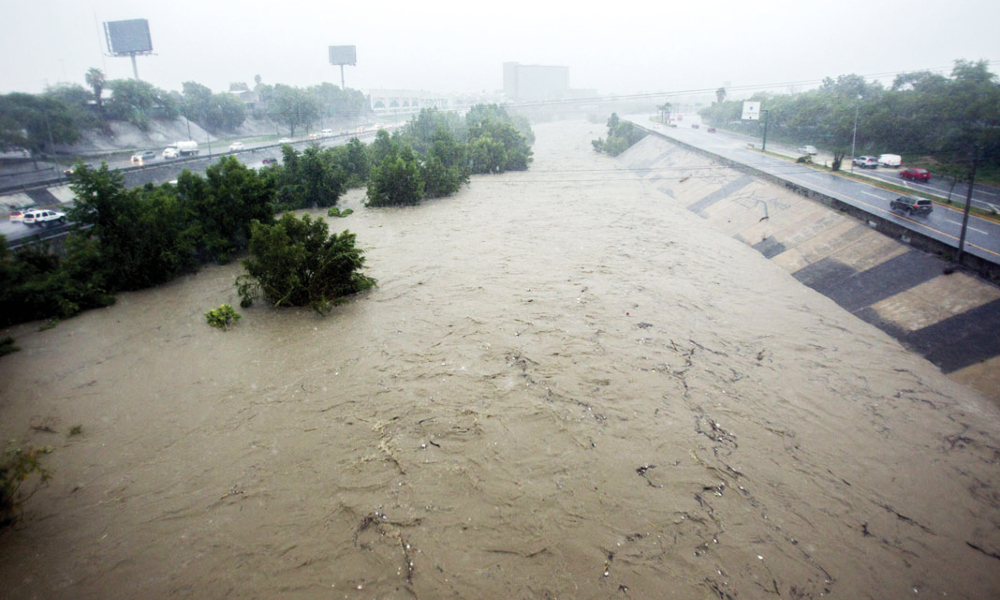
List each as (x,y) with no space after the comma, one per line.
(563,387)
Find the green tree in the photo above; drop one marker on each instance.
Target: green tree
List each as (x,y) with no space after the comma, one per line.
(396,181)
(622,135)
(28,121)
(197,103)
(232,111)
(353,160)
(335,102)
(224,202)
(297,262)
(142,236)
(293,107)
(138,101)
(381,148)
(96,80)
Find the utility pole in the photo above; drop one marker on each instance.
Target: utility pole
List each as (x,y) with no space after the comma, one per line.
(854,138)
(52,145)
(767,117)
(968,204)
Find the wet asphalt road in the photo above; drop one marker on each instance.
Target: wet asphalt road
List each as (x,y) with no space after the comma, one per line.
(943,224)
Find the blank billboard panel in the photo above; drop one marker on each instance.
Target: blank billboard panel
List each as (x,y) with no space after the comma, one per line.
(128,37)
(343,55)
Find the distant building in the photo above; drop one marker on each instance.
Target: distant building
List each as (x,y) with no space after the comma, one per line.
(242,91)
(530,83)
(384,100)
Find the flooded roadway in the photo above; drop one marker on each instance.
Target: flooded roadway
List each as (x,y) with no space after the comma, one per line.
(562,387)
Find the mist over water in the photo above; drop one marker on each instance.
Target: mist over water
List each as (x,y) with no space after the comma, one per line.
(562,387)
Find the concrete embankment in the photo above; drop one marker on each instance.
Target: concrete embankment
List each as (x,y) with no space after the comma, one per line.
(951,318)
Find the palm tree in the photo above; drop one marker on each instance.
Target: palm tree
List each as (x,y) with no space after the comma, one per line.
(95,79)
(664,112)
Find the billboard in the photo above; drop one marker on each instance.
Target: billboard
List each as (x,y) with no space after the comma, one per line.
(128,37)
(751,111)
(343,55)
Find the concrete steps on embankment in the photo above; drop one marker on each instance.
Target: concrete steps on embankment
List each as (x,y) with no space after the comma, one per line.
(953,320)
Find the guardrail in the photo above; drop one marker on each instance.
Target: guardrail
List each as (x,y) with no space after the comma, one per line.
(60,180)
(986,268)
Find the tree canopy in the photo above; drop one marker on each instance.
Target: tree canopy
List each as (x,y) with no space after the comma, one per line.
(920,114)
(297,262)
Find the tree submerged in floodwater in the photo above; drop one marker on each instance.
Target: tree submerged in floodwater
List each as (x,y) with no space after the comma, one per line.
(297,262)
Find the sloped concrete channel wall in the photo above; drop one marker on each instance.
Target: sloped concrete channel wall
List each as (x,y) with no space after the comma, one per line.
(885,275)
(914,239)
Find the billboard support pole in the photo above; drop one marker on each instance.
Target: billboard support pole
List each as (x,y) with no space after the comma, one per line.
(342,86)
(135,68)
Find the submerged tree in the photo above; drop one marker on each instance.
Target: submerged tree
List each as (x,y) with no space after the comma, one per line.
(297,262)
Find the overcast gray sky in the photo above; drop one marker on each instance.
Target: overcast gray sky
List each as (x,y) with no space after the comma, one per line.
(621,46)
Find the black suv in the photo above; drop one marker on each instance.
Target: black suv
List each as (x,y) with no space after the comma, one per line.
(912,206)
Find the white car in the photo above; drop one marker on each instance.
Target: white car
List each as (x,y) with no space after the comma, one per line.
(807,149)
(43,217)
(170,152)
(236,147)
(326,133)
(285,141)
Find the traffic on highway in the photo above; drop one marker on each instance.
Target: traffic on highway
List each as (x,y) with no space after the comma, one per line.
(943,223)
(17,229)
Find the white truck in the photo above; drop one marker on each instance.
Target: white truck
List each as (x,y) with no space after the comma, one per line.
(181,149)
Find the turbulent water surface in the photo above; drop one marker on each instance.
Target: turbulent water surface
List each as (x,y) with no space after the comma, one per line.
(563,387)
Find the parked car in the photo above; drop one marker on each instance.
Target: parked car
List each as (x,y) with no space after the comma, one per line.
(914,174)
(711,129)
(43,217)
(140,157)
(912,206)
(807,149)
(16,216)
(270,160)
(890,160)
(866,162)
(236,146)
(694,126)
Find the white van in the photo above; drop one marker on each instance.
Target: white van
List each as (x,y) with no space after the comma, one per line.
(890,160)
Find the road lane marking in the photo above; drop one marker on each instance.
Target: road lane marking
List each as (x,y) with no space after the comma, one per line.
(873,195)
(877,209)
(959,223)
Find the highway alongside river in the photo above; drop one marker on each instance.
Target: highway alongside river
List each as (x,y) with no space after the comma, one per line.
(944,224)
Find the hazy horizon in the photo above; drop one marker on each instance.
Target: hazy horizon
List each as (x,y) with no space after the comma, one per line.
(453,47)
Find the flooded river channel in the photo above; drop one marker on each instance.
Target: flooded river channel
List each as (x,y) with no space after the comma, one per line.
(563,387)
